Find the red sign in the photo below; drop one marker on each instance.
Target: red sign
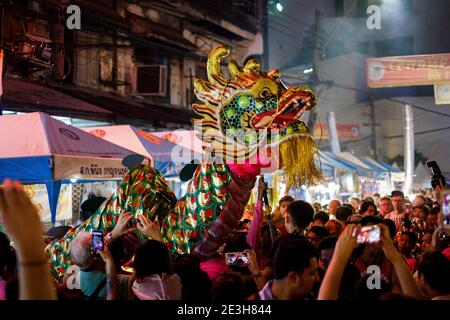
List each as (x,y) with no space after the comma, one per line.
(408,70)
(346,132)
(150,137)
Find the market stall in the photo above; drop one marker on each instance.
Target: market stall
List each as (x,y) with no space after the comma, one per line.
(47,155)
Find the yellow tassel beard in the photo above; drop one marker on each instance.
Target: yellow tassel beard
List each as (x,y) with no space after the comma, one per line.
(301,161)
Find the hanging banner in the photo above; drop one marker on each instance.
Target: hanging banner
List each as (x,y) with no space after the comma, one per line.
(64,207)
(408,70)
(80,168)
(39,197)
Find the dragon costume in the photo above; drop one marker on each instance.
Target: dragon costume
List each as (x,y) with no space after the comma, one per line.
(249,122)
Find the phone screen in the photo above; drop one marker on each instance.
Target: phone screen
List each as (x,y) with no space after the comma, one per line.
(369,234)
(237,258)
(97,240)
(407,208)
(446,207)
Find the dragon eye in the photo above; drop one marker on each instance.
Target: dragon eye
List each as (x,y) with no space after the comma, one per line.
(265,93)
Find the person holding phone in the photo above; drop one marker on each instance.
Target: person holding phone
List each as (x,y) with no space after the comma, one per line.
(85,252)
(347,242)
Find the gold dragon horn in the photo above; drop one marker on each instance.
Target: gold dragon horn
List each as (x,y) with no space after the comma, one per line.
(252,66)
(213,66)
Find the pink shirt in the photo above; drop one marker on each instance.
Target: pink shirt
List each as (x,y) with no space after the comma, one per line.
(215,266)
(254,232)
(397,218)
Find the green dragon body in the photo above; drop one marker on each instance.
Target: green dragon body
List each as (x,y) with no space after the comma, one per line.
(246,121)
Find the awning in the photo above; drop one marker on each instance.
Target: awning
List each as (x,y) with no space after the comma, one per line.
(24,96)
(388,166)
(375,166)
(360,167)
(335,162)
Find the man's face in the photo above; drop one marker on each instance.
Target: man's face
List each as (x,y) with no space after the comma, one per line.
(355,204)
(313,238)
(306,280)
(404,244)
(283,208)
(325,258)
(398,202)
(432,220)
(332,207)
(385,207)
(371,211)
(376,199)
(333,227)
(418,202)
(419,214)
(426,240)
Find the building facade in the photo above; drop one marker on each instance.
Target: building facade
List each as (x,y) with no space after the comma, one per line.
(130,62)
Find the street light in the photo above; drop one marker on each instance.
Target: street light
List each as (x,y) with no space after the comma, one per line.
(279,6)
(309,70)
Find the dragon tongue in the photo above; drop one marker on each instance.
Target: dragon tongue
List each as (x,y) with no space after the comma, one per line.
(264,121)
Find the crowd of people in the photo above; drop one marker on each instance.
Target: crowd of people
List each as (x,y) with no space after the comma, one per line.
(306,252)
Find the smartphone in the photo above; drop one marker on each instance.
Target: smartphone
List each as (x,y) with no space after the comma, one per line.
(97,241)
(133,222)
(407,208)
(437,178)
(369,234)
(237,258)
(446,207)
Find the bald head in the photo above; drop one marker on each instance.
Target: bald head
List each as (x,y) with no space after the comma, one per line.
(81,250)
(334,204)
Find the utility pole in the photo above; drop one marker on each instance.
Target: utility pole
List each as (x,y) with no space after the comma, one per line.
(265,21)
(408,125)
(315,65)
(373,127)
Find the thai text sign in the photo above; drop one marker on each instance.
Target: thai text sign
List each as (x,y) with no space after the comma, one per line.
(408,70)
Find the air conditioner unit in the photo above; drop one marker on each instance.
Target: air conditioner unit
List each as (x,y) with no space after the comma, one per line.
(151,80)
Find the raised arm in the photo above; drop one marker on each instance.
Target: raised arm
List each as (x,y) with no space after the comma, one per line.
(254,231)
(329,289)
(112,281)
(402,271)
(24,227)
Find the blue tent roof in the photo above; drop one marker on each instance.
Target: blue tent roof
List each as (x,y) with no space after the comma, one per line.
(336,162)
(388,166)
(375,168)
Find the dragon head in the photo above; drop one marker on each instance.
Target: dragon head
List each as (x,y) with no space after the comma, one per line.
(253,111)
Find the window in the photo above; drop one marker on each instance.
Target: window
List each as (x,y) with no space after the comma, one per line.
(338,8)
(87,59)
(148,56)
